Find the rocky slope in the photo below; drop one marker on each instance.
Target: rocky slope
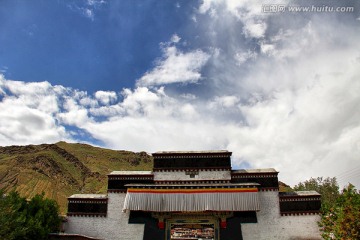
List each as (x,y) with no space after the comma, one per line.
(63,169)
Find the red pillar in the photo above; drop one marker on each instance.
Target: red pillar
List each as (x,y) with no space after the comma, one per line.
(161,224)
(223,223)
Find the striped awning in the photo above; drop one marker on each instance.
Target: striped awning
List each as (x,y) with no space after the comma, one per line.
(205,197)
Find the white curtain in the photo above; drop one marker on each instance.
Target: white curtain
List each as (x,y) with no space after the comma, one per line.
(170,202)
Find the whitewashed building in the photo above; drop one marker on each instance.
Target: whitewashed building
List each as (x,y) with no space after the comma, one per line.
(193,195)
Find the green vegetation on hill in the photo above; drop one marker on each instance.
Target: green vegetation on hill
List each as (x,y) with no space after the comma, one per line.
(283,187)
(62,169)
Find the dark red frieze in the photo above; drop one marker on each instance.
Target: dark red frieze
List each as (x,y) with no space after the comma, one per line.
(111,176)
(116,190)
(268,189)
(191,154)
(300,213)
(87,200)
(85,214)
(190,168)
(190,181)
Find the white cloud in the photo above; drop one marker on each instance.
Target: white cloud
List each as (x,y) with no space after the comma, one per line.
(297,91)
(254,29)
(86,9)
(74,114)
(225,102)
(107,111)
(267,48)
(106,97)
(177,131)
(142,102)
(249,12)
(309,129)
(241,57)
(37,95)
(89,13)
(89,102)
(188,96)
(175,38)
(96,3)
(286,98)
(21,88)
(205,6)
(188,112)
(3,69)
(176,67)
(27,117)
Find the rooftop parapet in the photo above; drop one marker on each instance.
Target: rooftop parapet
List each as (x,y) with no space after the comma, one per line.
(218,159)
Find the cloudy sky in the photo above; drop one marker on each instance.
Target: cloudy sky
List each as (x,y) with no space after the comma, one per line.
(275,82)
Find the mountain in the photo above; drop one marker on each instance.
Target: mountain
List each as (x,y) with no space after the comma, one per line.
(62,169)
(283,187)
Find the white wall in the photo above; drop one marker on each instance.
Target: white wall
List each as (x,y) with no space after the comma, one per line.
(203,175)
(271,225)
(112,227)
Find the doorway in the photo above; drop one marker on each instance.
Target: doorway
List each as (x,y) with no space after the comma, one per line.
(192,229)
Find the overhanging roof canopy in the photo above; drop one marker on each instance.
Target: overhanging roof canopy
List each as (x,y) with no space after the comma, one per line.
(194,198)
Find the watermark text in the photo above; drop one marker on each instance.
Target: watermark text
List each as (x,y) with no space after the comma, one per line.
(280,8)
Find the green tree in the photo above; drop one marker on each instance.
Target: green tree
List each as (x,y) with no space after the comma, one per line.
(343,220)
(327,187)
(23,220)
(340,212)
(11,206)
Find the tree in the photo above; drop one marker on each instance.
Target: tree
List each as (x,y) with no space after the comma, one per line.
(328,188)
(340,212)
(22,220)
(12,223)
(343,220)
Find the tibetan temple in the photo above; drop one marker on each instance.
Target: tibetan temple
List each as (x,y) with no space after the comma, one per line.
(193,195)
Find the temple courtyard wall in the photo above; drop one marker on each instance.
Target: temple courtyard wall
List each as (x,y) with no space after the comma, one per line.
(188,192)
(112,227)
(270,224)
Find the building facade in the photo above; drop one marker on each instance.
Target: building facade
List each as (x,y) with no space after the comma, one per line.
(194,195)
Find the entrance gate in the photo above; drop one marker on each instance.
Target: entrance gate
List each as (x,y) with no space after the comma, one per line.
(192,229)
(193,226)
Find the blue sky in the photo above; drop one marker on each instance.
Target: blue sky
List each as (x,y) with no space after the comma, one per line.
(278,89)
(86,45)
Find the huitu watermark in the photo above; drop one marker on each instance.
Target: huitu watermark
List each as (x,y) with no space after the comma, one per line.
(279,8)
